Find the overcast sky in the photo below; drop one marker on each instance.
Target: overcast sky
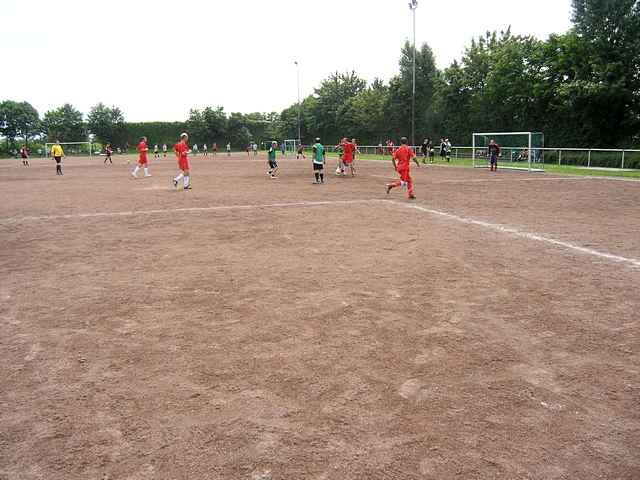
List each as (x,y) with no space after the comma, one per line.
(155,59)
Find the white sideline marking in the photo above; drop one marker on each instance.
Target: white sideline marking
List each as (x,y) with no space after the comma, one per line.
(529,236)
(131,213)
(491,180)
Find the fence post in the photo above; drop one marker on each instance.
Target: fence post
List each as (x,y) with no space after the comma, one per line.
(622,167)
(559,157)
(589,159)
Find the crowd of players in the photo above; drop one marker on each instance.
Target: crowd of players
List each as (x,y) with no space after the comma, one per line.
(347,150)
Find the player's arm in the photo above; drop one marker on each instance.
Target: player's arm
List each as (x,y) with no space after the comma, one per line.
(393,160)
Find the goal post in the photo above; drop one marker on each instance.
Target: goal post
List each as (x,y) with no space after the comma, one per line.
(519,150)
(79,149)
(290,146)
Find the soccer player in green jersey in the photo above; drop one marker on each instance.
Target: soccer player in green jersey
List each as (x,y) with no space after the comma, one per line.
(273,165)
(319,159)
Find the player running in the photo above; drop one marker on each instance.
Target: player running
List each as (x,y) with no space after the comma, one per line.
(156,151)
(273,164)
(205,150)
(24,154)
(401,163)
(319,159)
(182,155)
(164,150)
(57,153)
(494,152)
(142,158)
(108,151)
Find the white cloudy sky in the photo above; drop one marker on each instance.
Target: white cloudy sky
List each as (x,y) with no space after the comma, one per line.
(157,58)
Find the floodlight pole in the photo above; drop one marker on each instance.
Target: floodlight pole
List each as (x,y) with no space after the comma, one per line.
(413,5)
(299,105)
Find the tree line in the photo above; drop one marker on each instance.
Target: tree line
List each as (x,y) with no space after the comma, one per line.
(581,88)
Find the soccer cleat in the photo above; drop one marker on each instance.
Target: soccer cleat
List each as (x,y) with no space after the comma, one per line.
(188,187)
(133,175)
(148,175)
(412,197)
(175,183)
(389,187)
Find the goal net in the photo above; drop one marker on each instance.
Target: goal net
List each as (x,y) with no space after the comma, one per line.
(290,146)
(518,150)
(73,149)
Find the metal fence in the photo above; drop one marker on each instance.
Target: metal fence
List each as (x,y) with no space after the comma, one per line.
(595,158)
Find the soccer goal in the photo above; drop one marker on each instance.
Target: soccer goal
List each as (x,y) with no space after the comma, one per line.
(290,146)
(79,149)
(518,150)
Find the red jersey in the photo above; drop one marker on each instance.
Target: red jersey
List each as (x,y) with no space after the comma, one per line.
(181,149)
(142,150)
(403,156)
(347,152)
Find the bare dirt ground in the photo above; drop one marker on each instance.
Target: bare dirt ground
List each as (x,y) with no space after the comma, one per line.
(273,329)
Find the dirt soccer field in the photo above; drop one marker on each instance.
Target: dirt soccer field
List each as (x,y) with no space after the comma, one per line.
(274,329)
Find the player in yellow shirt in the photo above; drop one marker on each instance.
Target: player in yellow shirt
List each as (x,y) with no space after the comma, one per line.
(57,153)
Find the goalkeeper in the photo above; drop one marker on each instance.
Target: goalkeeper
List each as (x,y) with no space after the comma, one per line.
(494,152)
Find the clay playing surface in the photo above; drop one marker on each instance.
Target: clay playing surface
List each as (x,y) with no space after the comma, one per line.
(275,329)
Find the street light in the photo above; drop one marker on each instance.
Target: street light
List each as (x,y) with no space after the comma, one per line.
(299,105)
(413,5)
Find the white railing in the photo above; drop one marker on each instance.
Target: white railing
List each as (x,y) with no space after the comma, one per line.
(578,157)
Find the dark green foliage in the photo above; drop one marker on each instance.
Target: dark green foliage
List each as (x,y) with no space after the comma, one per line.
(18,120)
(65,124)
(107,124)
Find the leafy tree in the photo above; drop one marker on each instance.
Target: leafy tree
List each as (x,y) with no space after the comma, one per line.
(401,89)
(331,104)
(18,120)
(106,123)
(607,88)
(65,124)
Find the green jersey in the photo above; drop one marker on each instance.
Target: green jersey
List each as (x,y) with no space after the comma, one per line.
(318,153)
(272,154)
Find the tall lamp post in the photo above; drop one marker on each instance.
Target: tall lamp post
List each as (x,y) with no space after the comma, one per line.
(413,5)
(299,106)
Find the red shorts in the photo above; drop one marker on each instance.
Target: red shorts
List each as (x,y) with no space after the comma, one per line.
(142,160)
(183,164)
(405,175)
(347,161)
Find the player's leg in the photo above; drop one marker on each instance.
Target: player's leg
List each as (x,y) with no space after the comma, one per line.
(187,179)
(135,171)
(274,169)
(146,170)
(316,171)
(408,181)
(58,166)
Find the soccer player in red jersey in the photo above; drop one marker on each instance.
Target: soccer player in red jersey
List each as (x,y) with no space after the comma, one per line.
(348,149)
(401,159)
(182,151)
(142,159)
